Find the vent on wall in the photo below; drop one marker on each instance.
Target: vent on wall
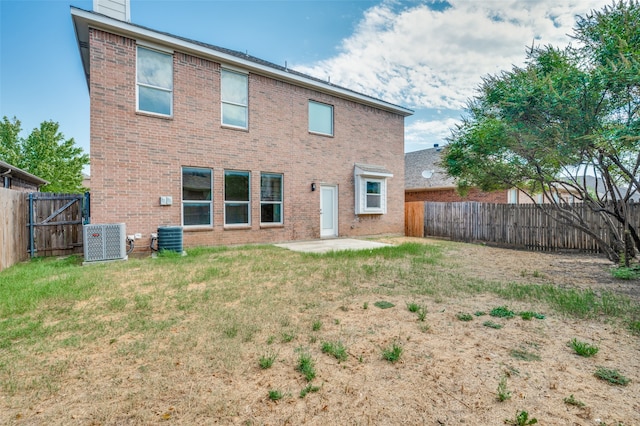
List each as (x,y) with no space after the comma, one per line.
(104,242)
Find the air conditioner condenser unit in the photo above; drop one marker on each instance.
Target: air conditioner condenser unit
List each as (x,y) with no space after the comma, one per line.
(104,242)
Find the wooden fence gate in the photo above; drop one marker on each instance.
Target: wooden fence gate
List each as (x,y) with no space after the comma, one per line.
(55,223)
(414,219)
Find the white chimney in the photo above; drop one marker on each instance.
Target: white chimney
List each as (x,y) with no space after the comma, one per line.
(117,9)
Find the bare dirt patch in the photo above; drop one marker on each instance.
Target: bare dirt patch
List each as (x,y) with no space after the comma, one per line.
(448,373)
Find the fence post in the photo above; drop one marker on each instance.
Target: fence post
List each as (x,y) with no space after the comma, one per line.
(86,208)
(31,248)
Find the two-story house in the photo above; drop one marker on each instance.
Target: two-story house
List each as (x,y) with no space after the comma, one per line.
(232,148)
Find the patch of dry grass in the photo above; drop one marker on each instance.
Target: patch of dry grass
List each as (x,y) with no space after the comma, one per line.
(180,338)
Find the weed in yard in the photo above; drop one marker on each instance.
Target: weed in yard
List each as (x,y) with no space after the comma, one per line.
(583,348)
(286,337)
(306,366)
(522,419)
(463,316)
(524,355)
(365,305)
(570,400)
(425,328)
(271,339)
(413,307)
(625,273)
(503,392)
(266,361)
(528,315)
(612,376)
(336,321)
(479,313)
(634,326)
(502,312)
(393,353)
(422,313)
(317,325)
(383,304)
(577,303)
(492,324)
(275,395)
(308,389)
(336,349)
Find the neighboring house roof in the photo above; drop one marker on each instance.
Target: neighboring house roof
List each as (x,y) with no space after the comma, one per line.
(7,169)
(83,19)
(422,171)
(597,184)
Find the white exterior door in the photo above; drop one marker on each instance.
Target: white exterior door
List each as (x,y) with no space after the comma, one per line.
(328,211)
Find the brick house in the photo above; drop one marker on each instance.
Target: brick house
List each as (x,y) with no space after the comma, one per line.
(232,148)
(17,179)
(426,180)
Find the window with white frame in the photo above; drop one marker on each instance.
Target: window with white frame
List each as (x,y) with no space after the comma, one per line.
(320,118)
(271,198)
(237,198)
(235,98)
(197,187)
(512,196)
(154,77)
(371,189)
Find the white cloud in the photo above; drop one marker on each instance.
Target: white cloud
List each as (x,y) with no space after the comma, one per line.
(423,134)
(422,58)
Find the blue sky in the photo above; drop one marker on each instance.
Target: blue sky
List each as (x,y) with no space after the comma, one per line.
(426,55)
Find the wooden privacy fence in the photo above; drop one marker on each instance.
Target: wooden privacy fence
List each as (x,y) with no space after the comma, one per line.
(40,224)
(13,227)
(55,223)
(414,219)
(517,225)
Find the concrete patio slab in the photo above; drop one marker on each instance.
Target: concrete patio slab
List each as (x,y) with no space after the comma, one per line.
(337,244)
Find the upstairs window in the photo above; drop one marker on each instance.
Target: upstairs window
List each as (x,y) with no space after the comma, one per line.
(196,197)
(371,189)
(271,198)
(235,98)
(154,77)
(237,198)
(320,118)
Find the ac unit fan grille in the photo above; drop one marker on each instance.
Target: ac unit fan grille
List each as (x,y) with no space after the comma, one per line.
(104,242)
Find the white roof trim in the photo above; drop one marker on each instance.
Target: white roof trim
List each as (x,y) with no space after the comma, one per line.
(83,18)
(371,171)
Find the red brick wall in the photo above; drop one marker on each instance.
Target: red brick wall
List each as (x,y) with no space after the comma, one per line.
(136,158)
(450,195)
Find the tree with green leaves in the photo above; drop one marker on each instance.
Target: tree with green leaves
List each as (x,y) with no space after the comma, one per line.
(567,122)
(45,153)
